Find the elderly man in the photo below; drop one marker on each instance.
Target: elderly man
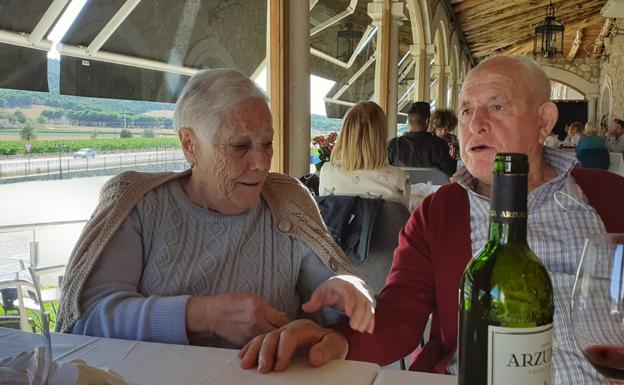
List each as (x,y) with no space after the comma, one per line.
(615,139)
(505,107)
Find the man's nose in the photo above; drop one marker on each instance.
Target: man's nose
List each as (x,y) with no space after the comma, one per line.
(480,120)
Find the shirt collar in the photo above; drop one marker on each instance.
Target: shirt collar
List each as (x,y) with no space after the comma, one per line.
(562,162)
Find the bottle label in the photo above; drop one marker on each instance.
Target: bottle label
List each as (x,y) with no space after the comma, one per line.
(519,356)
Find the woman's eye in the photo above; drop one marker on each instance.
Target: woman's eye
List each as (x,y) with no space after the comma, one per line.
(238,149)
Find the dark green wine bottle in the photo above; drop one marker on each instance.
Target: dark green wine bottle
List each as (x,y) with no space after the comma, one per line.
(506,298)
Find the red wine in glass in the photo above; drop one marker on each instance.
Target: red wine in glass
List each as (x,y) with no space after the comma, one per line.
(608,360)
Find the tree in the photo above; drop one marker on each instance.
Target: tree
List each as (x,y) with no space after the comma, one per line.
(42,119)
(20,116)
(125,133)
(149,133)
(94,134)
(28,132)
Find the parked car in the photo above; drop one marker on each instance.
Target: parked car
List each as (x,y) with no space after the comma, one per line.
(85,153)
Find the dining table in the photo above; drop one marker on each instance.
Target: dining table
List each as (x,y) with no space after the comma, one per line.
(150,363)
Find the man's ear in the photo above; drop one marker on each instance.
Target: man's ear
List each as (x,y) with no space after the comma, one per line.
(548,114)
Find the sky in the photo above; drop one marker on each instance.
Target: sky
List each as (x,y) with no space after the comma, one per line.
(318,86)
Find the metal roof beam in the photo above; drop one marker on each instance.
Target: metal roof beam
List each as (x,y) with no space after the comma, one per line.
(44,24)
(81,52)
(112,25)
(333,20)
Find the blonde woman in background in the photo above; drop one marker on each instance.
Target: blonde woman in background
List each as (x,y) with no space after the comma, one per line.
(359,162)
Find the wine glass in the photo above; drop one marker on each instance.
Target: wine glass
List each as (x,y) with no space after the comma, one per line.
(598,305)
(29,354)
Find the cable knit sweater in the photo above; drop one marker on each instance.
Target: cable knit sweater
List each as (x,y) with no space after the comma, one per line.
(293,213)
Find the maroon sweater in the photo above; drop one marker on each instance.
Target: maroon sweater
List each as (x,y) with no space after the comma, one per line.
(434,249)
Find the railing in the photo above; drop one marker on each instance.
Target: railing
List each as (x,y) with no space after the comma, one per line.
(62,164)
(63,237)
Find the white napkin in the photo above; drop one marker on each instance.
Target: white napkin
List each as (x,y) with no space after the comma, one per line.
(30,368)
(25,368)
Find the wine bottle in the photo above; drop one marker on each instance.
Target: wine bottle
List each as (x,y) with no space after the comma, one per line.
(506,297)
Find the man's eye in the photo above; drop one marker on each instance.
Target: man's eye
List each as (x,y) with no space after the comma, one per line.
(497,107)
(268,146)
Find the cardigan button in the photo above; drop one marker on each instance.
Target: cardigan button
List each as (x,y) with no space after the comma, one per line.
(333,264)
(284,226)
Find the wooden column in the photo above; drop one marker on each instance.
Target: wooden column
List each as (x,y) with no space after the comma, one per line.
(379,11)
(278,81)
(422,54)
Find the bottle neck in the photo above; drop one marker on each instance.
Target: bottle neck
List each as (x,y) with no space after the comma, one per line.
(508,211)
(508,232)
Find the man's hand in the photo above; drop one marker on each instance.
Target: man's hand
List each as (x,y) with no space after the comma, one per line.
(348,294)
(274,350)
(235,317)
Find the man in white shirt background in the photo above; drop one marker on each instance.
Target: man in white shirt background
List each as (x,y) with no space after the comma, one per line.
(615,137)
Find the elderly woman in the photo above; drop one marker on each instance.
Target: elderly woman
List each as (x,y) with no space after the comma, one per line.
(359,162)
(214,255)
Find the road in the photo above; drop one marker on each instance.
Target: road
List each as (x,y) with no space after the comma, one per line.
(50,165)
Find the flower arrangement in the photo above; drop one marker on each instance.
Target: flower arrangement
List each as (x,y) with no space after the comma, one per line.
(325,147)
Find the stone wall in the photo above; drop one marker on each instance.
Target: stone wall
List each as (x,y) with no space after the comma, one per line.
(613,68)
(587,68)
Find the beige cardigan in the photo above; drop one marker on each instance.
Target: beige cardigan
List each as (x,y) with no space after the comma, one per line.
(294,212)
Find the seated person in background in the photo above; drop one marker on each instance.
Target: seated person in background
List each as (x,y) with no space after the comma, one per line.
(358,164)
(504,107)
(552,140)
(615,136)
(214,255)
(417,147)
(442,122)
(591,150)
(575,132)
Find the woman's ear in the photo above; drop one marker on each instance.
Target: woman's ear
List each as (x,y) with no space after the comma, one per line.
(549,114)
(188,141)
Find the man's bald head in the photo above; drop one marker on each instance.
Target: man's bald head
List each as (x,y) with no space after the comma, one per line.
(527,72)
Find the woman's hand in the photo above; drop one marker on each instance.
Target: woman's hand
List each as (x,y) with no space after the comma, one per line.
(236,317)
(348,294)
(274,350)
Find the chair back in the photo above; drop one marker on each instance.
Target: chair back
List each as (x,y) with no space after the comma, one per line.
(390,219)
(426,174)
(9,295)
(594,158)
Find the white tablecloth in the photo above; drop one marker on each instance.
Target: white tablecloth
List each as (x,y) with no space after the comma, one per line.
(616,163)
(147,363)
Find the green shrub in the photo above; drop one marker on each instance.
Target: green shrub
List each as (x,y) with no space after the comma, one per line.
(125,133)
(13,147)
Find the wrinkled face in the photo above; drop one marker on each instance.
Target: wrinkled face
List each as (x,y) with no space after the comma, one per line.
(236,166)
(497,115)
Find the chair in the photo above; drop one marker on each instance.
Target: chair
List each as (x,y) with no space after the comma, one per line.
(390,219)
(9,295)
(594,158)
(426,174)
(367,229)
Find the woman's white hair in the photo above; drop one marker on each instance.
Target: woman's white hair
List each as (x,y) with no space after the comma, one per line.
(210,95)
